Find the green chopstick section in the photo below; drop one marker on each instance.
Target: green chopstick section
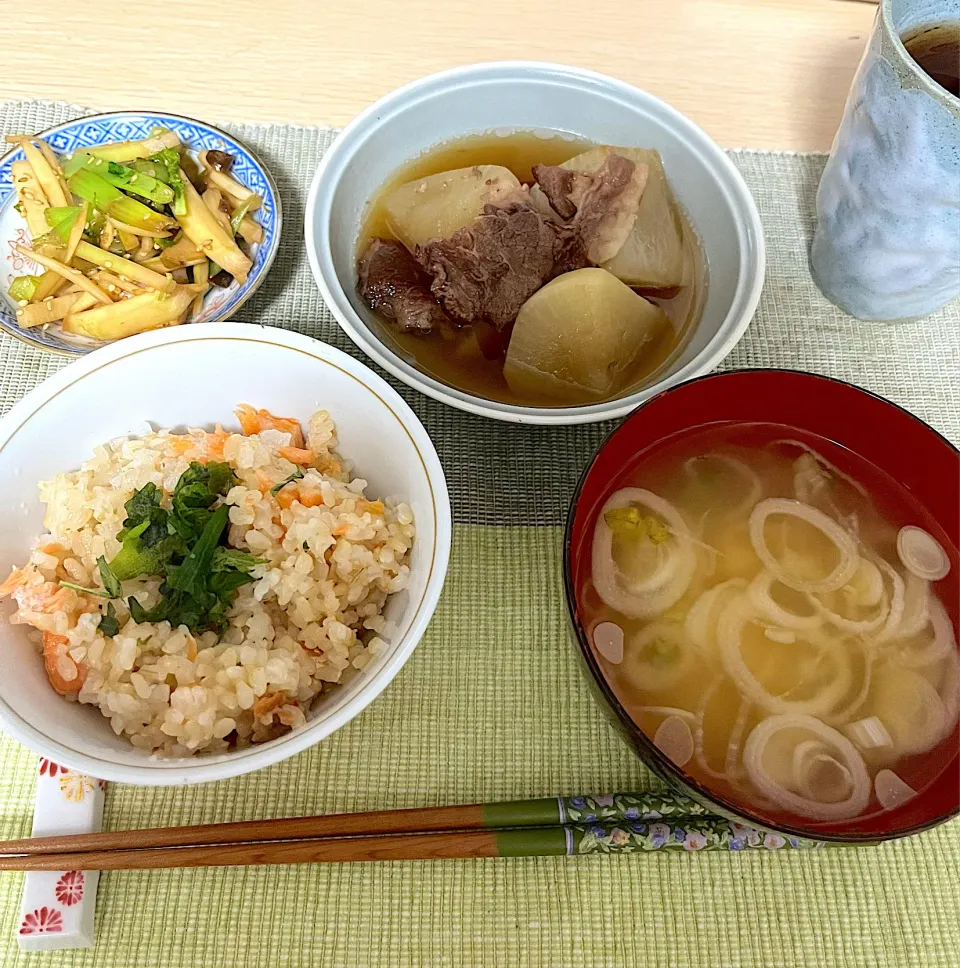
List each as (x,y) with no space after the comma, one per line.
(621,823)
(533,842)
(614,807)
(522,813)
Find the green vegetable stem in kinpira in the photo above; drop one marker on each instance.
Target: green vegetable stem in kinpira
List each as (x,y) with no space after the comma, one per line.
(159,139)
(152,168)
(169,160)
(62,219)
(240,214)
(23,288)
(105,197)
(130,179)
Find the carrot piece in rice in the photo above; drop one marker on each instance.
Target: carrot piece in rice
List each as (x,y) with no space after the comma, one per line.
(372,507)
(256,421)
(296,455)
(268,702)
(65,675)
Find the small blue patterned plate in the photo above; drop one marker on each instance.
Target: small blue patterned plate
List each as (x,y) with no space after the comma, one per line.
(97,129)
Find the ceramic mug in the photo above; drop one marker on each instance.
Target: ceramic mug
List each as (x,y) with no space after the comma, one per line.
(887,243)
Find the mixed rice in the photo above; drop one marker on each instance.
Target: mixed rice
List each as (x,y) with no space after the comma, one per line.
(311,618)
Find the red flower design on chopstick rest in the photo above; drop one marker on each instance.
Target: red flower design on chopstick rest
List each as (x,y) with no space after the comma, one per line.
(45,920)
(49,768)
(69,889)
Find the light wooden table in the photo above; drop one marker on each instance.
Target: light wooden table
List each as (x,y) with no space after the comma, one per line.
(755,73)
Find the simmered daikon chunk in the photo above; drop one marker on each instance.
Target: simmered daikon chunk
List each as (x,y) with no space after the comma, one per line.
(652,256)
(439,205)
(576,339)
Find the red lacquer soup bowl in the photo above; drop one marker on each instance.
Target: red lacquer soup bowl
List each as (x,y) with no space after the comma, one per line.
(922,464)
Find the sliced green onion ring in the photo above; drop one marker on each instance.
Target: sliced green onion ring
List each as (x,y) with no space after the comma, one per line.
(833,745)
(733,620)
(700,625)
(658,656)
(668,584)
(844,541)
(752,486)
(761,598)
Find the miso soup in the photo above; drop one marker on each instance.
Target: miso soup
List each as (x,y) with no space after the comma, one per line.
(777,615)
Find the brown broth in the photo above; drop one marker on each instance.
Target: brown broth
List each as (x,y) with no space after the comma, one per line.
(455,357)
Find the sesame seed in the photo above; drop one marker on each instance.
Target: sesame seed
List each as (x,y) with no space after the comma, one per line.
(107,264)
(24,302)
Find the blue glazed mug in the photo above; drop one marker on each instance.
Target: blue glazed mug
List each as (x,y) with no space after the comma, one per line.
(887,243)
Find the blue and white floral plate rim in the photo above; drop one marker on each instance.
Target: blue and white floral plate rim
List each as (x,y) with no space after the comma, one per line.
(96,129)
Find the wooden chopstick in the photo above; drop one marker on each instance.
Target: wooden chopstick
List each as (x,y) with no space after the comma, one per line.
(422,846)
(416,820)
(696,834)
(540,812)
(545,826)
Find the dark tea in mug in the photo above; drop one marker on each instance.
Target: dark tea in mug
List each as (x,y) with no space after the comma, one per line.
(887,244)
(936,48)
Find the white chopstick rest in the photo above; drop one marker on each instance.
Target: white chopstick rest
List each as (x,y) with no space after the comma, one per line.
(57,908)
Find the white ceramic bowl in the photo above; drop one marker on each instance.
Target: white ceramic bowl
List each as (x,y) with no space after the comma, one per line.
(526,96)
(194,376)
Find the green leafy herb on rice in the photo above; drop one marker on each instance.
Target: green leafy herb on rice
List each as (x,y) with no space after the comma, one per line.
(108,622)
(111,583)
(185,546)
(295,476)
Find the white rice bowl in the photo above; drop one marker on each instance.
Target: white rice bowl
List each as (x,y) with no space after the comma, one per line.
(190,376)
(312,619)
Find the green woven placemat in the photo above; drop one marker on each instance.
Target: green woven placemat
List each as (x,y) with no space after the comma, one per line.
(492,706)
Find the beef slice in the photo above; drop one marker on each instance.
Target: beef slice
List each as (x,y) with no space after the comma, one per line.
(599,206)
(487,270)
(392,284)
